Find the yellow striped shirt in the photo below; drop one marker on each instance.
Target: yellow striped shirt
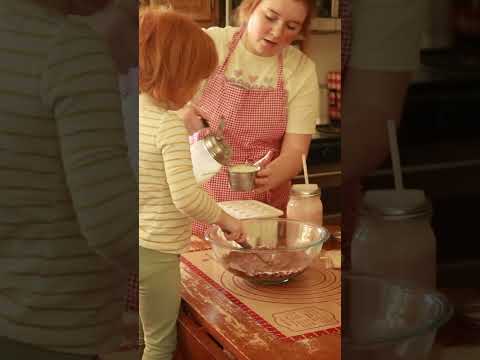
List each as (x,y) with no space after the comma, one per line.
(168,194)
(68,209)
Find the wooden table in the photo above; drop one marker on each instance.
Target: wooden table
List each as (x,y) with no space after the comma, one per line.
(211,327)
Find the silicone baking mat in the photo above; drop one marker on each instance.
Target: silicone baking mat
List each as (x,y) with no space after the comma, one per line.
(306,306)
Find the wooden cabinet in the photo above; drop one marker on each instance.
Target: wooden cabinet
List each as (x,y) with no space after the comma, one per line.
(194,342)
(205,12)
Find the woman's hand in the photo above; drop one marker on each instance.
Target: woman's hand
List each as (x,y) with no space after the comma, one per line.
(191,118)
(286,166)
(267,179)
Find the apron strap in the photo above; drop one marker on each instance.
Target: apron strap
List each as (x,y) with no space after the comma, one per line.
(232,46)
(280,80)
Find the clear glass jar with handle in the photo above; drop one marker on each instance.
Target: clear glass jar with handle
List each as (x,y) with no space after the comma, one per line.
(394,238)
(208,156)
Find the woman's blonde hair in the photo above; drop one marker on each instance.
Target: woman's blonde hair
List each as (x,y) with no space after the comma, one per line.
(247,7)
(175,54)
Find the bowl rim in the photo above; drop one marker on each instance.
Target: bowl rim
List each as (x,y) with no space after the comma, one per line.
(321,241)
(446,311)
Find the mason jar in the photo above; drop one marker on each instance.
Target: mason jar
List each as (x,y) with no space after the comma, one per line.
(305,204)
(394,238)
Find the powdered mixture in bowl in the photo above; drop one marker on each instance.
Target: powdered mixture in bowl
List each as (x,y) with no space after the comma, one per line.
(270,267)
(273,251)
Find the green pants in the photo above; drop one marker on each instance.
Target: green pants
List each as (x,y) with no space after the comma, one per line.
(11,349)
(159,302)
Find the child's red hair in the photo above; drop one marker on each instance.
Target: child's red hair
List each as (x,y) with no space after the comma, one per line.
(175,54)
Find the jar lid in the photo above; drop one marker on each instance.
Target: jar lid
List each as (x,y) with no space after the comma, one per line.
(217,149)
(305,190)
(392,203)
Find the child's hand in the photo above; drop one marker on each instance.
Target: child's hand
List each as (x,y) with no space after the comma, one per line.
(191,118)
(232,225)
(233,228)
(238,237)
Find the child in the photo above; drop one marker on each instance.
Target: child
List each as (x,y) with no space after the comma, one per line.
(175,55)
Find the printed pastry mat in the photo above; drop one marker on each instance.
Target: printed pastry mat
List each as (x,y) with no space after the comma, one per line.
(307,306)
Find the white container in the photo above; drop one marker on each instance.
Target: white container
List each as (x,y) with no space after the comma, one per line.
(250,209)
(394,238)
(204,165)
(253,209)
(208,156)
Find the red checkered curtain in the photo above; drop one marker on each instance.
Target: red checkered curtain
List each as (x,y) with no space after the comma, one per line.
(346,16)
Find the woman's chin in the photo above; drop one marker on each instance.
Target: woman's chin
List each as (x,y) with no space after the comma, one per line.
(267,50)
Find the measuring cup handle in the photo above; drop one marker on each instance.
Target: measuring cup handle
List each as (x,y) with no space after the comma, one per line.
(264,160)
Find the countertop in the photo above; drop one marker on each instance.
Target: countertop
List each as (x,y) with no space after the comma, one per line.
(221,329)
(458,340)
(211,327)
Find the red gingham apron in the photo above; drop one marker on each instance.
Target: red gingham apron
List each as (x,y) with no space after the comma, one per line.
(255,122)
(346,16)
(131,301)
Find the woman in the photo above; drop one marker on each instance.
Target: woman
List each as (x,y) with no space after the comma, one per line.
(385,60)
(266,92)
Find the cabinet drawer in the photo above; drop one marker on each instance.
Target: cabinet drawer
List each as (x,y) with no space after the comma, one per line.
(194,343)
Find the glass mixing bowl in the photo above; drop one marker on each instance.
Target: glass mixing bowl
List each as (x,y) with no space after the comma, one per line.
(383,320)
(277,250)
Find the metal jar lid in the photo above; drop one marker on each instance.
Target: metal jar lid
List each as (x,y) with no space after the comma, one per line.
(393,205)
(305,190)
(217,149)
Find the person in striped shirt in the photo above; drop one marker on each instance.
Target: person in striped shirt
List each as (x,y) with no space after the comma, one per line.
(68,217)
(117,24)
(175,55)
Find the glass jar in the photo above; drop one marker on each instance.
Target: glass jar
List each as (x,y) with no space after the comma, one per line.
(305,204)
(394,238)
